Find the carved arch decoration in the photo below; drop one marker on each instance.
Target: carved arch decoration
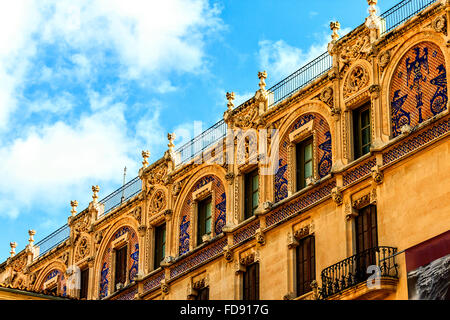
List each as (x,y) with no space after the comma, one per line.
(54,272)
(311,120)
(392,102)
(418,86)
(357,79)
(212,178)
(158,201)
(83,248)
(125,231)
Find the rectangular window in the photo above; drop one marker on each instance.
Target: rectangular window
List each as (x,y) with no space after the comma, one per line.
(306,265)
(361,130)
(202,294)
(251,282)
(204,219)
(84,282)
(160,245)
(366,239)
(304,159)
(251,185)
(121,266)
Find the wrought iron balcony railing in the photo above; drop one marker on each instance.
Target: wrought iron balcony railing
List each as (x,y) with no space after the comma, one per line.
(355,269)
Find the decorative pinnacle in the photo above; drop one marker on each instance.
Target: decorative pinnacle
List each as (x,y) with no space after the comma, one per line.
(171,137)
(31,233)
(335,26)
(262,77)
(373,21)
(95,190)
(13,246)
(230,98)
(145,155)
(74,205)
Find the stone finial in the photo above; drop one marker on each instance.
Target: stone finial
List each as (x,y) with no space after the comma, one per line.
(74,205)
(373,21)
(335,26)
(230,98)
(171,137)
(13,246)
(95,190)
(31,233)
(262,80)
(145,155)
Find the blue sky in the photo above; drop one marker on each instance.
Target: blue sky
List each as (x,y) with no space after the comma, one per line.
(86,85)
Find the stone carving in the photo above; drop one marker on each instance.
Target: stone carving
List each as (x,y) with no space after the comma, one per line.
(327,96)
(98,237)
(65,258)
(361,202)
(262,80)
(19,263)
(336,195)
(158,201)
(374,91)
(74,205)
(260,238)
(384,58)
(247,260)
(95,190)
(136,213)
(158,175)
(302,232)
(82,249)
(230,177)
(145,156)
(377,175)
(356,80)
(440,24)
(176,189)
(360,48)
(230,98)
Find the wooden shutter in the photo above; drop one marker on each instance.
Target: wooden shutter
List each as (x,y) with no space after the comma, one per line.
(251,282)
(160,244)
(306,264)
(84,279)
(121,266)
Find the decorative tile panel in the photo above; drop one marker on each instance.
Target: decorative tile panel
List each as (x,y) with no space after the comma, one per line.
(419,86)
(133,260)
(154,281)
(197,258)
(219,214)
(300,203)
(322,152)
(245,233)
(416,142)
(129,295)
(360,171)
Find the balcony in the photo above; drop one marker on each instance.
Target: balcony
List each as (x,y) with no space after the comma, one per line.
(348,279)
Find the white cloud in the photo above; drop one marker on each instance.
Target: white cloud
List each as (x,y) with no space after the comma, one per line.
(280,59)
(53,163)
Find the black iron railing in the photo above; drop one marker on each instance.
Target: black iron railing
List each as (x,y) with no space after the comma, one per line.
(127,191)
(355,269)
(53,240)
(402,11)
(204,140)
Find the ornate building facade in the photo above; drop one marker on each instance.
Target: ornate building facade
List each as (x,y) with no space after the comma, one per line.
(332,184)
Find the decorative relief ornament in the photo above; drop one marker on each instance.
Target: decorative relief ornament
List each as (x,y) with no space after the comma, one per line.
(227,254)
(440,24)
(359,49)
(336,195)
(19,264)
(302,232)
(327,96)
(374,91)
(361,202)
(260,238)
(356,80)
(158,201)
(136,213)
(384,58)
(247,260)
(335,26)
(82,249)
(176,189)
(158,175)
(98,237)
(13,246)
(377,175)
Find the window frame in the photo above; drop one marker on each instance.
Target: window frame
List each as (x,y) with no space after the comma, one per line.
(160,236)
(300,147)
(122,249)
(249,193)
(300,286)
(203,218)
(251,271)
(84,283)
(357,129)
